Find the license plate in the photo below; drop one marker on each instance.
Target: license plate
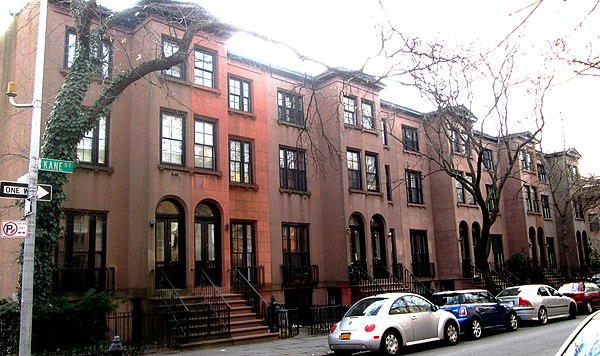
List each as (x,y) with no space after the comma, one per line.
(345,336)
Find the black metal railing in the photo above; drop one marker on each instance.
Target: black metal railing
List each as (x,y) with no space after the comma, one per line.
(70,279)
(410,281)
(507,275)
(177,310)
(218,315)
(240,284)
(300,276)
(359,277)
(423,269)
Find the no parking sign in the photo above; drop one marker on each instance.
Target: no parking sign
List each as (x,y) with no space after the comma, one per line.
(14,228)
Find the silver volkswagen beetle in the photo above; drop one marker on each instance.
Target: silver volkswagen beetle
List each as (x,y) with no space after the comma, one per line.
(387,322)
(538,302)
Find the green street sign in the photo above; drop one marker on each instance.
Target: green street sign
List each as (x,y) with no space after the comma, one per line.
(56,165)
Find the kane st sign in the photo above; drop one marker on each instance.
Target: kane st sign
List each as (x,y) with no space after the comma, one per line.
(14,228)
(56,165)
(16,190)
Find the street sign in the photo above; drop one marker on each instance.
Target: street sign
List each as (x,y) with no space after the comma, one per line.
(56,165)
(14,228)
(16,190)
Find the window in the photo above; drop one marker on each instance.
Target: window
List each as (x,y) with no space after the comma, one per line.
(469,197)
(240,92)
(367,115)
(353,164)
(578,209)
(530,161)
(204,68)
(527,160)
(542,172)
(240,161)
(296,251)
(488,158)
(523,156)
(103,52)
(81,254)
(172,136)
(388,183)
(290,108)
(414,188)
(410,138)
(594,223)
(372,172)
(457,142)
(527,196)
(93,147)
(384,133)
(170,47)
(204,144)
(572,170)
(546,207)
(349,111)
(460,192)
(420,253)
(491,197)
(292,169)
(535,201)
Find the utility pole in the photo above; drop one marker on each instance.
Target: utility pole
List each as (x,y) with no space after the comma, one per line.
(31,202)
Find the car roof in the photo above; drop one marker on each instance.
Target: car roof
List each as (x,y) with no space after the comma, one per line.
(460,291)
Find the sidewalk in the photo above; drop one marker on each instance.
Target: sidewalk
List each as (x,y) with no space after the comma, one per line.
(302,344)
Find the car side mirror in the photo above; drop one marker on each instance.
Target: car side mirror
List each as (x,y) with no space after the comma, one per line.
(435,307)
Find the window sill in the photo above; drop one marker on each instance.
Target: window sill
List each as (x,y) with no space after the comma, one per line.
(465,205)
(353,127)
(95,168)
(295,192)
(411,152)
(416,205)
(205,171)
(369,131)
(548,219)
(242,113)
(290,124)
(215,91)
(96,77)
(534,213)
(163,166)
(243,186)
(175,79)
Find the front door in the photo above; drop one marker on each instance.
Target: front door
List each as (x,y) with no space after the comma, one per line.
(243,257)
(207,245)
(170,246)
(357,242)
(379,251)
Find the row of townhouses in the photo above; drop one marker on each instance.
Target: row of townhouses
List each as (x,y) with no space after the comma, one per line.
(223,168)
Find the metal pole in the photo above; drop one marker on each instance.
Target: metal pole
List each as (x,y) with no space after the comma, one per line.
(30,212)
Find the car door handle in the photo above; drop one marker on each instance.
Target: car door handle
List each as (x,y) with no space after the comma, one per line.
(413,317)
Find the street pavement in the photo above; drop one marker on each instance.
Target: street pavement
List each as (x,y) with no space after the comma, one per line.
(302,344)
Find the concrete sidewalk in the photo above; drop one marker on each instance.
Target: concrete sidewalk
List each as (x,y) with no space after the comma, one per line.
(302,344)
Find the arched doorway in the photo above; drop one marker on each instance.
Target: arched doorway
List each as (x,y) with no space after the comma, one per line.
(378,247)
(533,246)
(170,244)
(542,246)
(586,248)
(580,249)
(476,235)
(357,242)
(465,249)
(207,243)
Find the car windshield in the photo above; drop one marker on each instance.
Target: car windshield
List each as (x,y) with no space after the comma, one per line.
(446,299)
(510,292)
(366,307)
(569,288)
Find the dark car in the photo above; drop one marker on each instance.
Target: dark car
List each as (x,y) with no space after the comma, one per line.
(586,295)
(477,310)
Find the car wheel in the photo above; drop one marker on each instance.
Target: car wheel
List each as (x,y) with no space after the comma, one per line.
(573,311)
(589,308)
(542,316)
(475,329)
(390,343)
(512,323)
(451,333)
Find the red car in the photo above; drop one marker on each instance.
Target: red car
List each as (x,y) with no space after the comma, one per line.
(586,295)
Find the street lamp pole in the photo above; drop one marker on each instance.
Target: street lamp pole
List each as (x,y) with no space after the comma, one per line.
(31,202)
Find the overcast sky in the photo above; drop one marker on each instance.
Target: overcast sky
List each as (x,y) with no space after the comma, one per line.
(342,33)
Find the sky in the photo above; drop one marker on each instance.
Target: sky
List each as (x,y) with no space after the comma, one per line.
(344,33)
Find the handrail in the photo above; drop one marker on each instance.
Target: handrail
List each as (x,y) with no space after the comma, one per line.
(517,280)
(362,274)
(174,301)
(215,299)
(259,312)
(415,284)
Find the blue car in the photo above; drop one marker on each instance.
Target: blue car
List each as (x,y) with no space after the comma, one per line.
(477,310)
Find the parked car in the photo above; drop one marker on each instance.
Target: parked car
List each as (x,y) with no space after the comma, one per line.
(585,294)
(596,278)
(538,302)
(585,339)
(477,310)
(388,322)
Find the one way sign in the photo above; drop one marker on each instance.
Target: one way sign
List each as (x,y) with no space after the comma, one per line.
(16,190)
